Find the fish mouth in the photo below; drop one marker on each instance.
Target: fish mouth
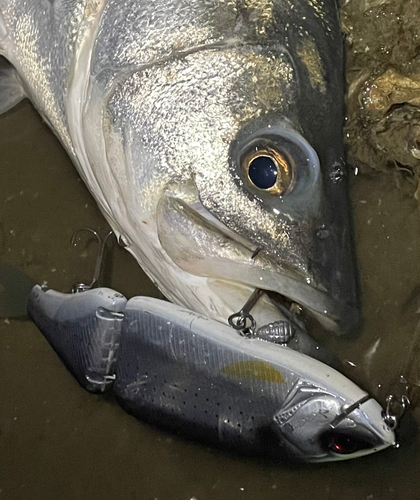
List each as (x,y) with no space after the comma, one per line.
(201,245)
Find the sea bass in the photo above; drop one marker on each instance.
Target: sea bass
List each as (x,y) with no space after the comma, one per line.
(210,134)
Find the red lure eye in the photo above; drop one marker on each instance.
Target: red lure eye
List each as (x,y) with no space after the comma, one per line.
(343,444)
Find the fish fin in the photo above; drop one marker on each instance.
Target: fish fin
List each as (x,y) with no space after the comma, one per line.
(11,89)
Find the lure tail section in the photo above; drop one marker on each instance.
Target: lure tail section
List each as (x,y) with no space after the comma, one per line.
(83,328)
(15,287)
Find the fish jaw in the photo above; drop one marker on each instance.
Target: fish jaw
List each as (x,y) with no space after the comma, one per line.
(304,229)
(201,246)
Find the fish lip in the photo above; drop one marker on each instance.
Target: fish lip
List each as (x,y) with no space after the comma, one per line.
(333,314)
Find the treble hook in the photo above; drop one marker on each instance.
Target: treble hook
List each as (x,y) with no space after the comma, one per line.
(82,287)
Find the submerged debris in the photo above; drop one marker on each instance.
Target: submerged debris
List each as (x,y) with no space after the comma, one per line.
(383,74)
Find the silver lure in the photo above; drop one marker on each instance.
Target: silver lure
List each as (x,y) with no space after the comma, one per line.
(204,129)
(183,371)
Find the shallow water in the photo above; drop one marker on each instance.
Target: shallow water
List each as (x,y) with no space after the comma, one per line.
(58,441)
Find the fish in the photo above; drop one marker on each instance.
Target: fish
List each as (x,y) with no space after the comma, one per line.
(210,134)
(177,369)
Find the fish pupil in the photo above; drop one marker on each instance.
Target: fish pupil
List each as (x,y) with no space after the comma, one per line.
(263,172)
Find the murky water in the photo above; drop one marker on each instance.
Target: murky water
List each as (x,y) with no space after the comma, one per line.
(59,442)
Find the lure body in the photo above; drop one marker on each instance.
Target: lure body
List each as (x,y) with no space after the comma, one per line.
(180,370)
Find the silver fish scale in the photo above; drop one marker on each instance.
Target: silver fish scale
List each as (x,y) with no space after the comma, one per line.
(130,33)
(133,33)
(175,377)
(179,117)
(136,33)
(44,37)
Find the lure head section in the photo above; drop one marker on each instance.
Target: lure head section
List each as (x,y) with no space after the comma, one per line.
(320,426)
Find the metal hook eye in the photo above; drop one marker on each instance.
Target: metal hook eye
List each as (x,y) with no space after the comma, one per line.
(239,321)
(81,287)
(394,410)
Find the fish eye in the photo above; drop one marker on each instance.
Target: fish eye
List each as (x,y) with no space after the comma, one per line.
(344,443)
(262,172)
(267,169)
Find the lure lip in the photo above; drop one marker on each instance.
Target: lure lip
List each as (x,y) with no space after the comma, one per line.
(358,429)
(369,414)
(379,425)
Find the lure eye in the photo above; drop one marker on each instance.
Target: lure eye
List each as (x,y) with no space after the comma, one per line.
(267,169)
(344,443)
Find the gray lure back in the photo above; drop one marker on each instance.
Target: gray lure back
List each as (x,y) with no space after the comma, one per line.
(171,366)
(200,375)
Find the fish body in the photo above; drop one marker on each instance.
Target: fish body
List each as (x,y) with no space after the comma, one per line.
(200,378)
(205,130)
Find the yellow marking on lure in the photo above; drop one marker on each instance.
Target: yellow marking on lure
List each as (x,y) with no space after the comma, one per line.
(253,370)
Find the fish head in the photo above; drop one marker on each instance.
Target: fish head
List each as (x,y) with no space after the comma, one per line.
(241,149)
(266,204)
(321,426)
